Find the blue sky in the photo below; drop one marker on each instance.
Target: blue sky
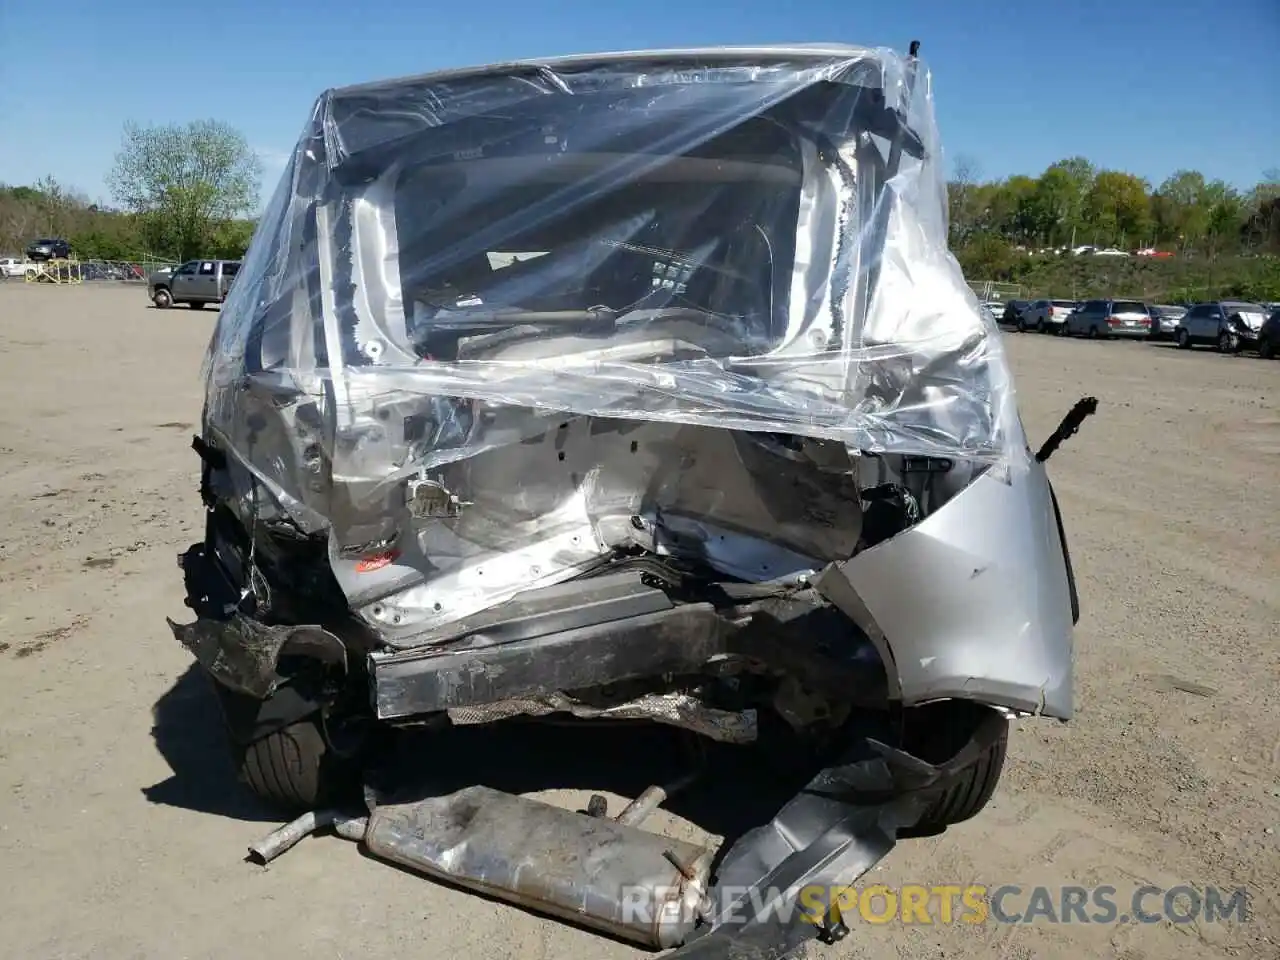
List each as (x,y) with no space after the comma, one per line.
(1139,85)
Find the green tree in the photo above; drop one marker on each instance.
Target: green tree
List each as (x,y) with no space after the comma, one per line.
(1009,208)
(1261,227)
(1065,189)
(1182,212)
(185,182)
(1224,215)
(960,197)
(231,239)
(1118,209)
(989,257)
(1267,189)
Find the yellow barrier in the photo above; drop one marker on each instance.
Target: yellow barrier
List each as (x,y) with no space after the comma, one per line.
(56,271)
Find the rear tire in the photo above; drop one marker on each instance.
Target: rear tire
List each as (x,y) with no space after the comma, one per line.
(1228,343)
(1184,340)
(162,298)
(1266,349)
(965,798)
(295,769)
(936,734)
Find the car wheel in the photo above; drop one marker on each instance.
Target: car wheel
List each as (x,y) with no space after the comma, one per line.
(1266,349)
(284,768)
(162,298)
(1228,342)
(965,798)
(1184,340)
(1093,333)
(956,727)
(1022,325)
(295,769)
(1040,328)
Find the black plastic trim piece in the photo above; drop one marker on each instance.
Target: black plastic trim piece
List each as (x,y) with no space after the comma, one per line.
(677,641)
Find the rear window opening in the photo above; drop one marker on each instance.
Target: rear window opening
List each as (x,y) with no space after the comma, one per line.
(1128,306)
(527,241)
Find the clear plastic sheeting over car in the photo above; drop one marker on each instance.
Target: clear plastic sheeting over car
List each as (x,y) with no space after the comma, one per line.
(748,239)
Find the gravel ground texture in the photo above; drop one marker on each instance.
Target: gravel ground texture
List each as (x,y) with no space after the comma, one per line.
(122,832)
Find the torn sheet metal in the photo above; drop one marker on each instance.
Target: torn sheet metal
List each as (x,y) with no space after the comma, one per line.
(673,709)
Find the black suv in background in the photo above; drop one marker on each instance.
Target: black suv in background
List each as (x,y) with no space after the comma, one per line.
(49,249)
(1269,337)
(1013,311)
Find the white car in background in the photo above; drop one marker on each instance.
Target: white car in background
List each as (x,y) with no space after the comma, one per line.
(12,267)
(1045,316)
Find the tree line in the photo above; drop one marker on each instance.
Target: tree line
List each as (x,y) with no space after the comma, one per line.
(180,191)
(995,223)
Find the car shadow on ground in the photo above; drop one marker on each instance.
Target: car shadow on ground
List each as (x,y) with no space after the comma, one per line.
(187,730)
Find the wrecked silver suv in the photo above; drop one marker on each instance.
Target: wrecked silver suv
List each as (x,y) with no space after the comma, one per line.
(627,387)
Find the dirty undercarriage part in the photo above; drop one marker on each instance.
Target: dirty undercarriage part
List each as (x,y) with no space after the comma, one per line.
(676,709)
(604,873)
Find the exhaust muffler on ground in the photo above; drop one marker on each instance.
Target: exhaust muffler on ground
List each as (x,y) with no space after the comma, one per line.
(603,873)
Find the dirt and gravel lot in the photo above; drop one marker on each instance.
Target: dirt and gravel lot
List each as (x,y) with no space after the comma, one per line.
(121,832)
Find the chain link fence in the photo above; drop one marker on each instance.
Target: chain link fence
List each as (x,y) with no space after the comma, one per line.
(993,290)
(86,271)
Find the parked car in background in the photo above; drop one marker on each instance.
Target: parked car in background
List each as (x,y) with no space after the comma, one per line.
(50,248)
(1046,316)
(1013,311)
(1269,336)
(195,283)
(12,267)
(1164,320)
(1228,324)
(1109,319)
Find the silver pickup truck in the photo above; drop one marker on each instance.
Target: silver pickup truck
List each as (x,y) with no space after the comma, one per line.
(195,283)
